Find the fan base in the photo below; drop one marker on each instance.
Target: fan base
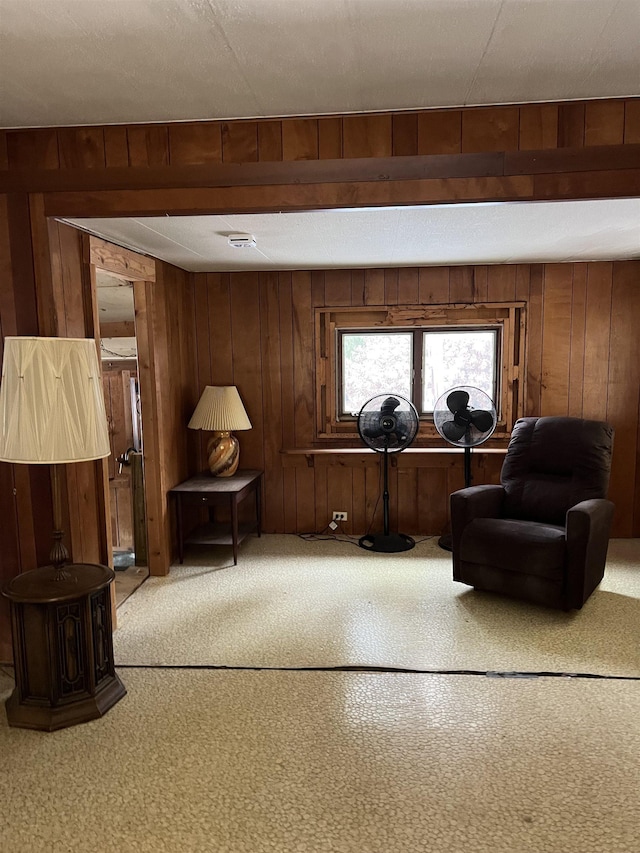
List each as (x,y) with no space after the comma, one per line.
(388,544)
(445,542)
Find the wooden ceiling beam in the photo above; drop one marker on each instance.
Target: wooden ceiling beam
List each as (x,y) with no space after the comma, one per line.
(351,170)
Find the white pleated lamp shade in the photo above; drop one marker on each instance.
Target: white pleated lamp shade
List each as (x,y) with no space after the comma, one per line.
(220,409)
(51,401)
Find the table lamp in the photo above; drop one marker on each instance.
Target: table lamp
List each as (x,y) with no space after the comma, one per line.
(52,412)
(220,410)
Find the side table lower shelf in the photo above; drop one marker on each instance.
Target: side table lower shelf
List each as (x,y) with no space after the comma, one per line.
(216,533)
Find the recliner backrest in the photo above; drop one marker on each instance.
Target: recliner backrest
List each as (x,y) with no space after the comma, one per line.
(553,463)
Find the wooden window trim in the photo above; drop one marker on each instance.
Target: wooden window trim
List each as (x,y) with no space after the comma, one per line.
(512,375)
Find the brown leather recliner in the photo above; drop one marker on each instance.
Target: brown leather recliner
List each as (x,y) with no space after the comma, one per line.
(543,534)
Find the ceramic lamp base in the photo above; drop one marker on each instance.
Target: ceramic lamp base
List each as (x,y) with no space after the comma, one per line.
(223,451)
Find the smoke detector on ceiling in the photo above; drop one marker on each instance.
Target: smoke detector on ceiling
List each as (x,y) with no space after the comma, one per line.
(242,241)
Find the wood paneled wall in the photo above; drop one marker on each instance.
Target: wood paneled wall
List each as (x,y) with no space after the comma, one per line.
(255,330)
(34,298)
(166,359)
(455,131)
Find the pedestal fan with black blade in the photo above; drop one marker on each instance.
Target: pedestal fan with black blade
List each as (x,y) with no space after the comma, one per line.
(465,417)
(387,423)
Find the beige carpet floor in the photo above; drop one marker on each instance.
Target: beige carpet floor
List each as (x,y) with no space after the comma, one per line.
(294,603)
(331,762)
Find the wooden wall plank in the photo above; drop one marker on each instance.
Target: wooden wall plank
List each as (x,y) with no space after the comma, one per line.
(404,129)
(367,136)
(571,119)
(357,520)
(533,344)
(270,141)
(4,154)
(303,353)
(239,142)
(408,286)
(287,360)
(317,289)
(221,327)
(116,146)
(81,147)
(374,287)
(158,550)
(604,123)
(358,287)
(598,340)
(148,145)
(632,122)
(490,129)
(194,142)
(300,139)
(391,286)
(247,363)
(305,519)
(556,339)
(461,284)
(434,285)
(538,127)
(623,392)
(480,284)
(501,283)
(578,325)
(329,138)
(440,132)
(33,149)
(271,384)
(407,500)
(337,287)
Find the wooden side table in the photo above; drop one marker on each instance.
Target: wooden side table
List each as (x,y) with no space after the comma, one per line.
(216,491)
(62,647)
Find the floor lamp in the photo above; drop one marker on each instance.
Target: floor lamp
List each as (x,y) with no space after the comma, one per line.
(52,413)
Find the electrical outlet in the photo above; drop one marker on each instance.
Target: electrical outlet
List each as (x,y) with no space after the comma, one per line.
(339,516)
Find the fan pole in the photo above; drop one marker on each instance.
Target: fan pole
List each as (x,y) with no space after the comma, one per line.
(389,543)
(467,467)
(385,493)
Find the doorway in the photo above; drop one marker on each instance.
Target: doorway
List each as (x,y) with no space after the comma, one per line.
(119,355)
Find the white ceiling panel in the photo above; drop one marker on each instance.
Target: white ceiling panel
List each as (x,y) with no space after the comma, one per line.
(569,55)
(74,62)
(513,232)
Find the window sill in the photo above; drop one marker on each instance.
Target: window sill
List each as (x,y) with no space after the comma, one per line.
(412,457)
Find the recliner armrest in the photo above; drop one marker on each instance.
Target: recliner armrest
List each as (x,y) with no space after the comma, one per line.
(588,526)
(467,504)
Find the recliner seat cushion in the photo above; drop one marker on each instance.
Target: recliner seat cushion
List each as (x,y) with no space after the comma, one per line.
(515,546)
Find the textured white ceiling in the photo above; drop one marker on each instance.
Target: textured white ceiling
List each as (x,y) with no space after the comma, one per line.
(115,298)
(70,62)
(495,233)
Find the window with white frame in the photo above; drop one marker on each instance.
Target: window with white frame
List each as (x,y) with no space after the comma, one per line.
(420,364)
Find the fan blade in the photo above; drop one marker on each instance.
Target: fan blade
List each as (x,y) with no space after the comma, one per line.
(453,431)
(457,400)
(482,420)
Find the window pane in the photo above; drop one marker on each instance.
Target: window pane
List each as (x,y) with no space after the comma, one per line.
(375,363)
(458,358)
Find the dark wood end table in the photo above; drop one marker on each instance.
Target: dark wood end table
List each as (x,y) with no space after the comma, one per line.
(215,491)
(62,647)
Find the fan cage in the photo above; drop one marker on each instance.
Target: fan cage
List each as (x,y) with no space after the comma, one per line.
(478,400)
(388,422)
